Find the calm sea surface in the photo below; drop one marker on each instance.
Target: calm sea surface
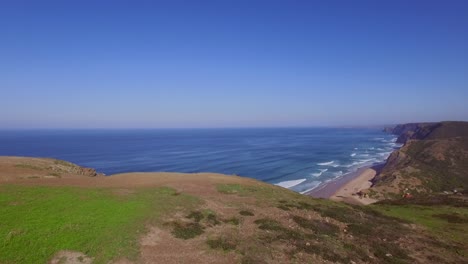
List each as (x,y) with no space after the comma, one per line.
(295,158)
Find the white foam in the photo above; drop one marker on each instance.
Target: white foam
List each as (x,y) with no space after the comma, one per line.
(318,174)
(353,154)
(289,184)
(337,175)
(326,163)
(385,153)
(359,162)
(311,186)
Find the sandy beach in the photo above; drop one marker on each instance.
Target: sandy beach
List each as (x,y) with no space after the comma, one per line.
(345,189)
(347,193)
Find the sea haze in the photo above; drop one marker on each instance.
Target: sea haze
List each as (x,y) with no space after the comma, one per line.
(295,158)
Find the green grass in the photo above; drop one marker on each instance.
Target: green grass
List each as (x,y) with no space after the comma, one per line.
(287,206)
(37,222)
(235,189)
(448,224)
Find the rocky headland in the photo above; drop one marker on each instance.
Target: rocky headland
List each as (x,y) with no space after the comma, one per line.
(433,159)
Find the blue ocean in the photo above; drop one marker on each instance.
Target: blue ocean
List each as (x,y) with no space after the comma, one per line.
(296,158)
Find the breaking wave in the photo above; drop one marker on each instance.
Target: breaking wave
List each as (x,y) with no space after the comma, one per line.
(326,163)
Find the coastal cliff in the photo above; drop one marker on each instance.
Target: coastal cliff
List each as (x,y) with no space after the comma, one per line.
(433,159)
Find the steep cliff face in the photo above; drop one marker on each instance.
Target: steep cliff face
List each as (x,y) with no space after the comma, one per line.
(411,131)
(433,159)
(420,131)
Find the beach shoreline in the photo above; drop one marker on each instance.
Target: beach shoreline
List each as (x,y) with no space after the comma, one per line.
(345,188)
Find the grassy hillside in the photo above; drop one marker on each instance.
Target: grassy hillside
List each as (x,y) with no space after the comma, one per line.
(37,222)
(444,216)
(211,218)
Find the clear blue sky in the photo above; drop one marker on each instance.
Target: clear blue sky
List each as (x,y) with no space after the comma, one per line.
(150,64)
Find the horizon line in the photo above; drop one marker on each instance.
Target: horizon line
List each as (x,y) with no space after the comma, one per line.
(195,128)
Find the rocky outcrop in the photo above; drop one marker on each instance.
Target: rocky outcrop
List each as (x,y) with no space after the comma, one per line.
(13,168)
(68,167)
(87,172)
